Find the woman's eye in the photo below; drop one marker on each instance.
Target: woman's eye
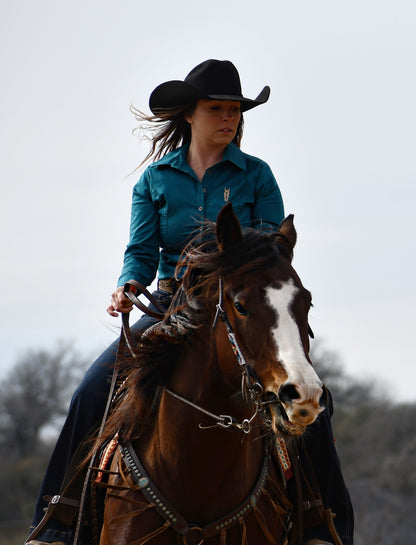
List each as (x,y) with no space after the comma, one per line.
(240,309)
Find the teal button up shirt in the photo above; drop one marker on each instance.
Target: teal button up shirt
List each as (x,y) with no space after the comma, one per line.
(169,203)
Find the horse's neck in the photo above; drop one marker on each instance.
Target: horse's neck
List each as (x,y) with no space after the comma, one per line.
(215,460)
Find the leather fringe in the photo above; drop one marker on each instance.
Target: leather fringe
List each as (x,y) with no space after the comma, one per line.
(137,512)
(150,536)
(243,531)
(279,510)
(329,519)
(262,523)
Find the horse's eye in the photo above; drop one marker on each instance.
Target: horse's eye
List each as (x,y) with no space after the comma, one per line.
(240,309)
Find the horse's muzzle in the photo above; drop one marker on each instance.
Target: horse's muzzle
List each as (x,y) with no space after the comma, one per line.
(296,407)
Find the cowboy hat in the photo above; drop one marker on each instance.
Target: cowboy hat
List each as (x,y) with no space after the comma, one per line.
(212,79)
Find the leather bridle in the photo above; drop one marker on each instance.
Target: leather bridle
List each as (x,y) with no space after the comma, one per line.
(251,387)
(250,384)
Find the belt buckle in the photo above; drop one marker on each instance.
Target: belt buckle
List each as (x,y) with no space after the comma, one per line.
(166,284)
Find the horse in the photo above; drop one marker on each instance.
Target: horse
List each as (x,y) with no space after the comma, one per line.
(213,386)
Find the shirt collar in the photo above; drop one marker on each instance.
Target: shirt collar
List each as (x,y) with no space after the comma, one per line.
(234,154)
(177,158)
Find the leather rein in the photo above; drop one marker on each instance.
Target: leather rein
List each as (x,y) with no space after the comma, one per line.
(125,340)
(130,293)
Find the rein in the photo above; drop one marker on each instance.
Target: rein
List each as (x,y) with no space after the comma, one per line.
(130,294)
(223,420)
(125,340)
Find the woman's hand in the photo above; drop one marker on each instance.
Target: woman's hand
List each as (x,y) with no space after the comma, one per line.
(119,302)
(318,542)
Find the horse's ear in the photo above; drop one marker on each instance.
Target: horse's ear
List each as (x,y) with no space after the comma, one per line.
(286,236)
(228,228)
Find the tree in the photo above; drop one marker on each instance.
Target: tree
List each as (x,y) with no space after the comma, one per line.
(348,392)
(376,441)
(34,394)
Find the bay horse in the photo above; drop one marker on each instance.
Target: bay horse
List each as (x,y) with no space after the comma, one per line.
(213,384)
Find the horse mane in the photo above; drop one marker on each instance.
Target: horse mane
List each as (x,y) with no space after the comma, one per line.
(192,308)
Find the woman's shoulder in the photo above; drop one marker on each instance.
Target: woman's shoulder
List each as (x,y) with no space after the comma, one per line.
(156,172)
(245,160)
(171,158)
(255,170)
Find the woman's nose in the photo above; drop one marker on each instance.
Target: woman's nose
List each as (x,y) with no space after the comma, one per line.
(228,114)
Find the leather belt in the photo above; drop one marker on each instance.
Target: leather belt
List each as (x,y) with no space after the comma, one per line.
(170,285)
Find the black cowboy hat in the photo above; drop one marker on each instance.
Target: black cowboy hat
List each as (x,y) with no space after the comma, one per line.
(212,79)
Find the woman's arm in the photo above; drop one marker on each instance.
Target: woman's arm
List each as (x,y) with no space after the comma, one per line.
(141,257)
(268,211)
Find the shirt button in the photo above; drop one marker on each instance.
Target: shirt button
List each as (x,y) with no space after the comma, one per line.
(204,189)
(200,208)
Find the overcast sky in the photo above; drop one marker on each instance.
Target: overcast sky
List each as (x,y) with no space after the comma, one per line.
(338,132)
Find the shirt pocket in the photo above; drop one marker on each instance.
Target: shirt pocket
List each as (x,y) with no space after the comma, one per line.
(243,199)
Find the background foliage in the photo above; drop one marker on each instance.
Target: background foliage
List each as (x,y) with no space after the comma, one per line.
(376,442)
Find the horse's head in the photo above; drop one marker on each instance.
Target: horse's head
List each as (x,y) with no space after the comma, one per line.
(267,307)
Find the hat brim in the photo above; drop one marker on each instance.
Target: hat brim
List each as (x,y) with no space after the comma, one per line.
(175,93)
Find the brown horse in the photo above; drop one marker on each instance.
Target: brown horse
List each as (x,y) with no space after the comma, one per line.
(213,383)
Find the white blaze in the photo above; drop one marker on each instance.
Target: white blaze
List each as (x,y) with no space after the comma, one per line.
(287,337)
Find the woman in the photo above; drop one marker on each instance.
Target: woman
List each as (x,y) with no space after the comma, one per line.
(198,126)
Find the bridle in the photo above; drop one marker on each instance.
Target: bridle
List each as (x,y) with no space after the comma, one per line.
(251,387)
(250,384)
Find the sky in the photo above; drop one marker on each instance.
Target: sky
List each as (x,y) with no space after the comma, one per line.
(338,133)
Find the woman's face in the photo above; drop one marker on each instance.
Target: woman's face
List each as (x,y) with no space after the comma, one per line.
(214,122)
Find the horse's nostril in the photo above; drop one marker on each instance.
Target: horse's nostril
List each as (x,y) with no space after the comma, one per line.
(288,393)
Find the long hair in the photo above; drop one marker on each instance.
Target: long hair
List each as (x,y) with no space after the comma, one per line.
(168,129)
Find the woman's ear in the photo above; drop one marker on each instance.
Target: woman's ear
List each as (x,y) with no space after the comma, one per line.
(188,117)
